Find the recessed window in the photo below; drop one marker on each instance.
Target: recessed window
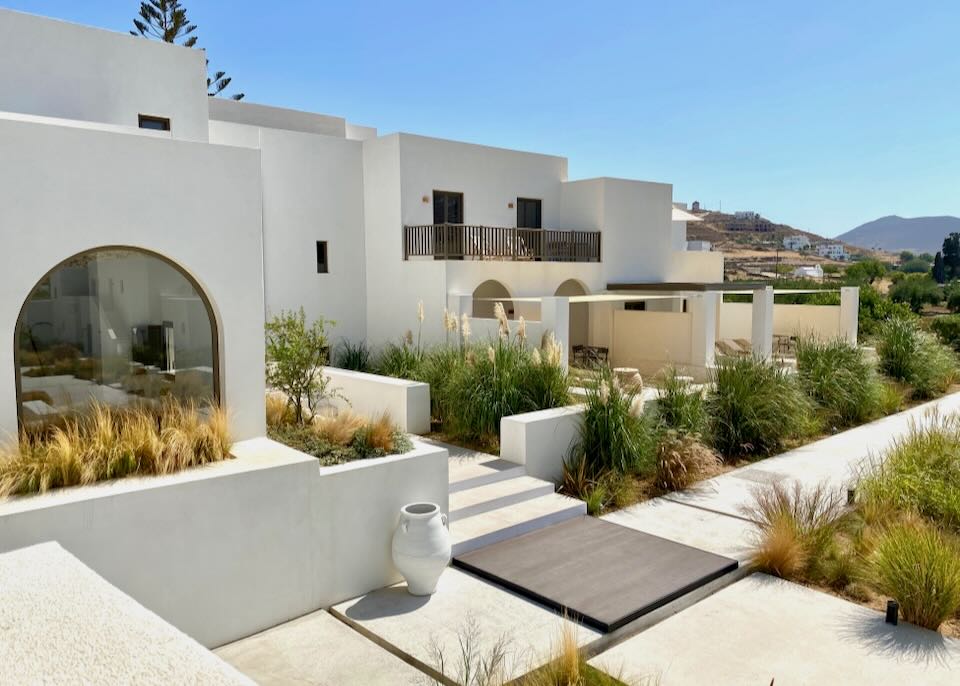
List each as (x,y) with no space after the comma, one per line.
(146,121)
(529,213)
(323,267)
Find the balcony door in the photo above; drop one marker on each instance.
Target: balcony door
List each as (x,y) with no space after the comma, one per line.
(448,209)
(529,217)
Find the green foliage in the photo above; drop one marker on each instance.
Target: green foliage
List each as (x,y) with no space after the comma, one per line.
(355,356)
(906,256)
(840,380)
(875,308)
(915,357)
(756,407)
(951,293)
(951,257)
(921,473)
(399,360)
(920,567)
(947,329)
(938,271)
(295,354)
(681,407)
(915,266)
(865,272)
(614,436)
(916,291)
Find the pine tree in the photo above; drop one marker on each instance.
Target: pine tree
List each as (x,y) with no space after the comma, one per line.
(951,256)
(167,20)
(939,273)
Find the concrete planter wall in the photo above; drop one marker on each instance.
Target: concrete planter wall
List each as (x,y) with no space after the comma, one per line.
(540,440)
(224,551)
(408,402)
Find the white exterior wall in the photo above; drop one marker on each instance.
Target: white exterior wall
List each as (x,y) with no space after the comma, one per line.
(227,550)
(265,116)
(57,69)
(541,440)
(94,195)
(406,402)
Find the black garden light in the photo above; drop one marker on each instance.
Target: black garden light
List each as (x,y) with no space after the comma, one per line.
(893,612)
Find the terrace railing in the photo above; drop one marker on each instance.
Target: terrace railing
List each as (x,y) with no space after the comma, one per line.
(464,241)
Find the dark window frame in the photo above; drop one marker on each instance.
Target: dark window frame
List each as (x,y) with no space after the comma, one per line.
(521,202)
(164,122)
(439,193)
(323,258)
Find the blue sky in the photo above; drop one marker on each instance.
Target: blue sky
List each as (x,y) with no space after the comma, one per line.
(818,114)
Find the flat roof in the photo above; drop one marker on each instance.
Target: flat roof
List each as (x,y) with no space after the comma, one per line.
(687,286)
(598,298)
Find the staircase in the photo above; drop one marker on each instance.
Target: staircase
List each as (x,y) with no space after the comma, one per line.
(492,500)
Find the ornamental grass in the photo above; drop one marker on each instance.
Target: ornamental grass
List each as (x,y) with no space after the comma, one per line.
(110,443)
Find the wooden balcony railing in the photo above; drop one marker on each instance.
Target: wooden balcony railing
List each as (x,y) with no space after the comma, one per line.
(462,241)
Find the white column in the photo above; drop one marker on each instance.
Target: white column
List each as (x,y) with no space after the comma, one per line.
(703,312)
(849,313)
(762,338)
(555,317)
(459,303)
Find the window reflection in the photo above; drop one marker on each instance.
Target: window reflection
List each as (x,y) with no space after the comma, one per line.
(114,326)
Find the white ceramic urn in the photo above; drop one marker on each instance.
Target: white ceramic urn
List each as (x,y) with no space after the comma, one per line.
(421,546)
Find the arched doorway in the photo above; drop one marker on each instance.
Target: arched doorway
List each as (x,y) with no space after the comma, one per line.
(579,312)
(485,297)
(114,326)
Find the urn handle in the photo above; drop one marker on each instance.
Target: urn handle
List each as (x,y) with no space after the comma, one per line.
(443,518)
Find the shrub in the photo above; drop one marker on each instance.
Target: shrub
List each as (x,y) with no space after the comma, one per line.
(840,380)
(920,568)
(111,443)
(278,410)
(612,437)
(797,528)
(916,291)
(876,308)
(920,473)
(343,437)
(947,329)
(355,356)
(915,357)
(400,361)
(679,406)
(755,407)
(295,355)
(683,460)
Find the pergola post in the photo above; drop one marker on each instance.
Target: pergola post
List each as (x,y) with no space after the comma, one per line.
(762,334)
(555,317)
(703,310)
(849,313)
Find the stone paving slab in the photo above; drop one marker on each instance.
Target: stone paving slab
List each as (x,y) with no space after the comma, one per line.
(716,533)
(464,607)
(320,650)
(834,460)
(598,572)
(764,630)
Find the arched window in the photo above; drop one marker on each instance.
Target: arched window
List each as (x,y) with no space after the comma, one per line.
(114,326)
(486,296)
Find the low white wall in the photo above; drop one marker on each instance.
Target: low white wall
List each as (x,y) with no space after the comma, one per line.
(541,440)
(788,320)
(228,550)
(641,337)
(407,402)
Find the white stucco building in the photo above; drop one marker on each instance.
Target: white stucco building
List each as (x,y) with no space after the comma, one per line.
(797,242)
(833,251)
(150,227)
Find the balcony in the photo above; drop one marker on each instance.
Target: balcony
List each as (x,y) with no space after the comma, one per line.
(462,241)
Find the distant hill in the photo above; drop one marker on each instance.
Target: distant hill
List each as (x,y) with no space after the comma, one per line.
(893,233)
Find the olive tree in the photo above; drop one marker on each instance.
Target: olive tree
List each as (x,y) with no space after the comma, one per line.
(296,354)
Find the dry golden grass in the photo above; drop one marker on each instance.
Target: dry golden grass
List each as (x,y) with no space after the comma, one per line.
(683,460)
(341,428)
(110,443)
(381,432)
(278,410)
(780,551)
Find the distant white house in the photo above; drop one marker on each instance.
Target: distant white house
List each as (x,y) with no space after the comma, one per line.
(814,272)
(833,251)
(699,246)
(798,242)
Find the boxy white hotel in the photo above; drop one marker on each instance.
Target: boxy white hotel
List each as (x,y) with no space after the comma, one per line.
(146,225)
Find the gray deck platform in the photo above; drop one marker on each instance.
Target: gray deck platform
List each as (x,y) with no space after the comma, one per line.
(600,573)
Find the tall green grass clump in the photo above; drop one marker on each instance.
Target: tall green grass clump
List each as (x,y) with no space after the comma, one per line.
(840,380)
(756,407)
(680,407)
(614,435)
(915,357)
(920,473)
(919,567)
(354,355)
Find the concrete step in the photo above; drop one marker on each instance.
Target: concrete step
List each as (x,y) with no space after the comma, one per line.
(471,473)
(506,522)
(492,496)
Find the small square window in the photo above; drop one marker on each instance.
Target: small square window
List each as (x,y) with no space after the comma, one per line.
(146,121)
(322,266)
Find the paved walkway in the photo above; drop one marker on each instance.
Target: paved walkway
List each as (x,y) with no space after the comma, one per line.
(764,630)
